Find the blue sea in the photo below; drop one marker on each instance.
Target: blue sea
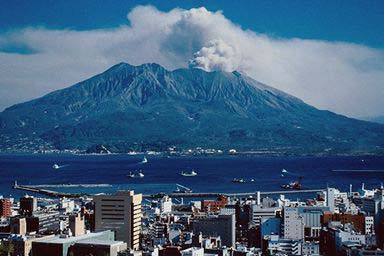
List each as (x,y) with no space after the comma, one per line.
(215,174)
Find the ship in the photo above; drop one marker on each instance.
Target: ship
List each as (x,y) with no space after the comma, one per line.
(182,189)
(238,180)
(144,161)
(140,174)
(189,174)
(295,185)
(56,166)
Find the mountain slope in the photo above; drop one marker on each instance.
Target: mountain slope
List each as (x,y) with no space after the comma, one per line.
(148,107)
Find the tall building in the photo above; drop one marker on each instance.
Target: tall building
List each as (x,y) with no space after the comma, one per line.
(293,224)
(336,201)
(222,225)
(165,205)
(28,205)
(120,213)
(160,233)
(76,224)
(374,206)
(5,207)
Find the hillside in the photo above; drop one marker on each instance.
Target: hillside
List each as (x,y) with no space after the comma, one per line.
(150,108)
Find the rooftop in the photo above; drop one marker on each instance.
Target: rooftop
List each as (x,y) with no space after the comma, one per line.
(72,239)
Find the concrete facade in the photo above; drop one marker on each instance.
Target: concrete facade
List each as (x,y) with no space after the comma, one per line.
(120,213)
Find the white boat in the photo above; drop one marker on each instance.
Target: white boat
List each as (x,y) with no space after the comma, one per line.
(189,174)
(140,174)
(238,180)
(56,166)
(144,161)
(182,189)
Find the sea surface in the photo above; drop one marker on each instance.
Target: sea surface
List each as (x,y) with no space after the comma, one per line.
(215,174)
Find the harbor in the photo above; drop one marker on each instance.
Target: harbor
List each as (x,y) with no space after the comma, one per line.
(40,189)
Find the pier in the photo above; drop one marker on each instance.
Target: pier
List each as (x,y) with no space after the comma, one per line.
(240,194)
(34,189)
(39,189)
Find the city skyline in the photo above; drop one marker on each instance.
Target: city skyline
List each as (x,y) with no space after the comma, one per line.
(191,128)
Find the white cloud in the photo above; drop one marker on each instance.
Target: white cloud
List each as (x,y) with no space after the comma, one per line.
(217,55)
(342,77)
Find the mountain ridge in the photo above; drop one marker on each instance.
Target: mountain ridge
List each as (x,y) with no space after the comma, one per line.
(148,107)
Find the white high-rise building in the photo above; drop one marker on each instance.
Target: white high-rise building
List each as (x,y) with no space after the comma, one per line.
(293,224)
(165,205)
(337,201)
(120,213)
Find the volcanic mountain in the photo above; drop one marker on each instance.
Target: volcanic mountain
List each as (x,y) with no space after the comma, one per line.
(147,107)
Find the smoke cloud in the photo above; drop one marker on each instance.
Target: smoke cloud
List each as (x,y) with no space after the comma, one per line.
(338,76)
(217,55)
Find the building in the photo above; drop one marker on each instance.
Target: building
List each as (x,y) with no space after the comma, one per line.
(97,247)
(222,225)
(270,226)
(60,246)
(22,244)
(5,207)
(361,223)
(170,251)
(18,225)
(165,205)
(193,251)
(312,220)
(337,235)
(293,224)
(310,248)
(257,212)
(28,205)
(159,233)
(120,213)
(76,224)
(66,205)
(336,201)
(214,205)
(374,206)
(273,245)
(42,222)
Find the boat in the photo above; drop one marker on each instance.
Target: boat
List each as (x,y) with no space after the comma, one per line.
(189,174)
(283,173)
(140,174)
(56,166)
(238,180)
(182,189)
(295,185)
(144,161)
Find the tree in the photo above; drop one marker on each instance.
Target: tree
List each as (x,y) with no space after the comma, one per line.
(6,249)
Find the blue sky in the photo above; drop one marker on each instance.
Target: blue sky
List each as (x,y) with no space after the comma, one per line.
(351,21)
(328,53)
